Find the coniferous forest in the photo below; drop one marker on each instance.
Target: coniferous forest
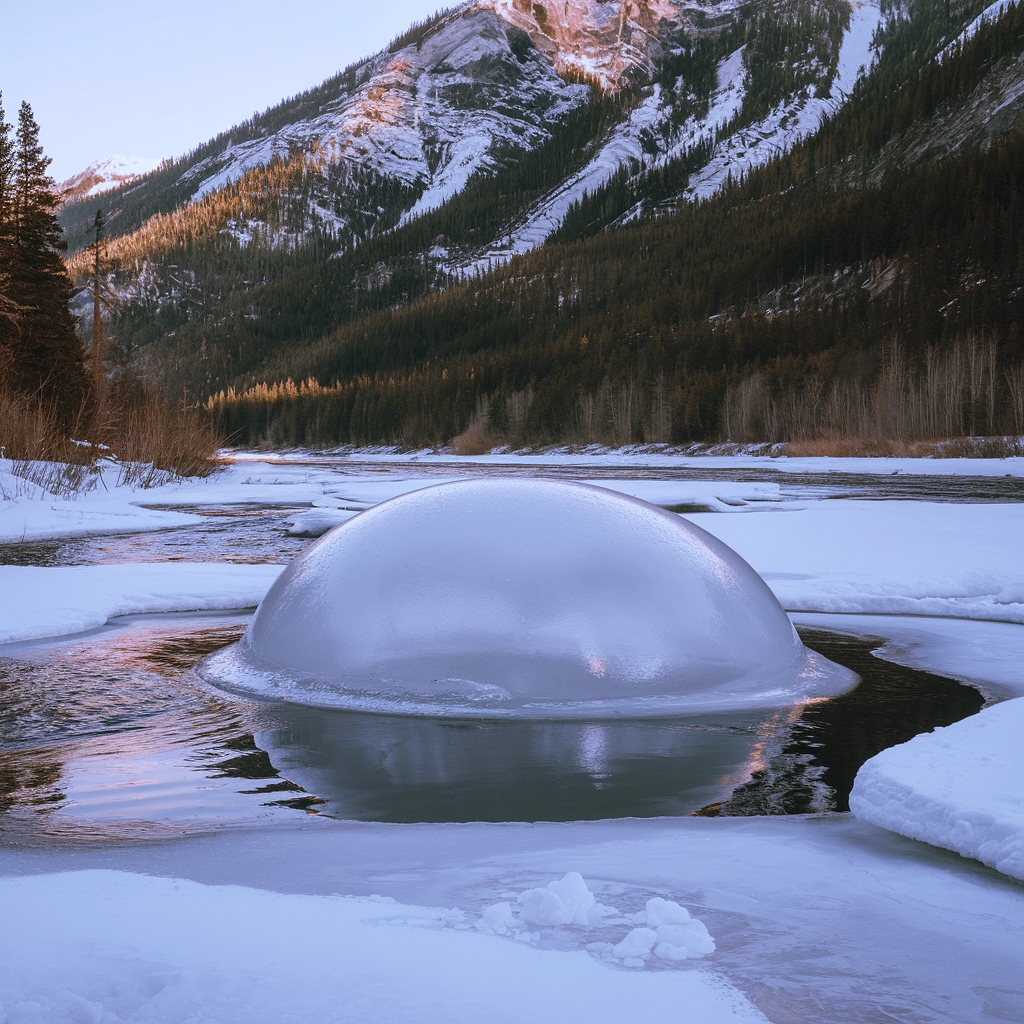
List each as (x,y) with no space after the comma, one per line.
(51,406)
(830,293)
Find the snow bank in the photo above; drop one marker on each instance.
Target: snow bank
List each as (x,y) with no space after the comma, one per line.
(55,601)
(958,787)
(30,513)
(886,557)
(113,946)
(988,655)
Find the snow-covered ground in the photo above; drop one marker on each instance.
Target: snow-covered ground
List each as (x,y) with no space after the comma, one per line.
(344,959)
(958,787)
(37,601)
(813,918)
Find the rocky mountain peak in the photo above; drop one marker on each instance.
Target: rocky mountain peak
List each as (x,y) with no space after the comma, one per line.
(603,41)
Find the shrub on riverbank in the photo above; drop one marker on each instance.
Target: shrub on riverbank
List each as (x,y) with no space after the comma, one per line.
(131,424)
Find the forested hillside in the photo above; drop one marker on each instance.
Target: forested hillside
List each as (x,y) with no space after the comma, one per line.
(784,220)
(829,292)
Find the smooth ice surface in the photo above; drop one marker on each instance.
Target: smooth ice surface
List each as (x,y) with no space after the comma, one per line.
(523,597)
(958,787)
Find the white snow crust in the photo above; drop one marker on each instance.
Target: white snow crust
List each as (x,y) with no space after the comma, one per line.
(526,598)
(816,917)
(37,601)
(852,556)
(958,787)
(987,655)
(131,947)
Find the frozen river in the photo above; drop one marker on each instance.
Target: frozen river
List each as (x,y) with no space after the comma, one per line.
(130,789)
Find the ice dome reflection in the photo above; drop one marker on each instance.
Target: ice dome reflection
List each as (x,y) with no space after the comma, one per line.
(523,598)
(401,768)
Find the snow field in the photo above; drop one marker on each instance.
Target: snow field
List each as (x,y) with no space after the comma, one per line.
(112,946)
(816,918)
(958,787)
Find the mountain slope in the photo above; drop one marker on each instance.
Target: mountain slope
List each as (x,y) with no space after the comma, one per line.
(497,127)
(850,286)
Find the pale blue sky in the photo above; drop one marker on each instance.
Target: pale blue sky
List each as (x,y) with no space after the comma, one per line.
(154,79)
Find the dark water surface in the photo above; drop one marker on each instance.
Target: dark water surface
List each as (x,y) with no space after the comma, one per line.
(111,735)
(243,533)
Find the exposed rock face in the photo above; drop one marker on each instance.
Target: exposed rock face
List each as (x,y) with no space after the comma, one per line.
(607,42)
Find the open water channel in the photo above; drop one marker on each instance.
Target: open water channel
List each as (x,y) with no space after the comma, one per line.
(112,734)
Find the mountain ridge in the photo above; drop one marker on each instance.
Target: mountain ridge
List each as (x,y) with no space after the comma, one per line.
(313,250)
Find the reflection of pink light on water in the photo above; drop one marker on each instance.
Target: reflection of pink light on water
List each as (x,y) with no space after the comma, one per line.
(768,732)
(597,666)
(592,751)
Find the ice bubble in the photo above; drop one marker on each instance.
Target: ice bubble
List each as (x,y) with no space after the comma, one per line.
(523,598)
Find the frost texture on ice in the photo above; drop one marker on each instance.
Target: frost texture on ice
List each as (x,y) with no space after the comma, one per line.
(497,598)
(958,787)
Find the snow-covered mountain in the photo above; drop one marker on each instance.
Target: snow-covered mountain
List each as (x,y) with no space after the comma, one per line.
(480,135)
(494,78)
(104,175)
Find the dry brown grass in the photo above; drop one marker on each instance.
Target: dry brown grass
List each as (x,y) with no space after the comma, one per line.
(872,448)
(142,429)
(474,440)
(29,431)
(837,447)
(151,439)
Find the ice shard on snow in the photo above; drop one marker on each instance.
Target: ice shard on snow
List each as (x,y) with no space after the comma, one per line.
(523,598)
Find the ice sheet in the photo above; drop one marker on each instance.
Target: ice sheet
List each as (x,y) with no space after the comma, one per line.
(132,947)
(958,787)
(821,918)
(989,655)
(886,557)
(56,601)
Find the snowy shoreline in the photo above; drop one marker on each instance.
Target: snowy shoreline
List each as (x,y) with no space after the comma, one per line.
(163,929)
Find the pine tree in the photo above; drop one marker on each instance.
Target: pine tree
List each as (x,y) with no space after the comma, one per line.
(10,310)
(46,359)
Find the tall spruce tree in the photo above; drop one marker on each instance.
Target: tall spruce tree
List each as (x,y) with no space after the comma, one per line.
(9,309)
(44,357)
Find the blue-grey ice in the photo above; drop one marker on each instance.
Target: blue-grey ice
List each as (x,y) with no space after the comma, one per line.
(523,598)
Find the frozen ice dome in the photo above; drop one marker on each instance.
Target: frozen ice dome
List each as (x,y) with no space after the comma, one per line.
(523,598)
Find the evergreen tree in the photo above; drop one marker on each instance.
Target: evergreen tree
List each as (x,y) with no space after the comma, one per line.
(45,358)
(9,309)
